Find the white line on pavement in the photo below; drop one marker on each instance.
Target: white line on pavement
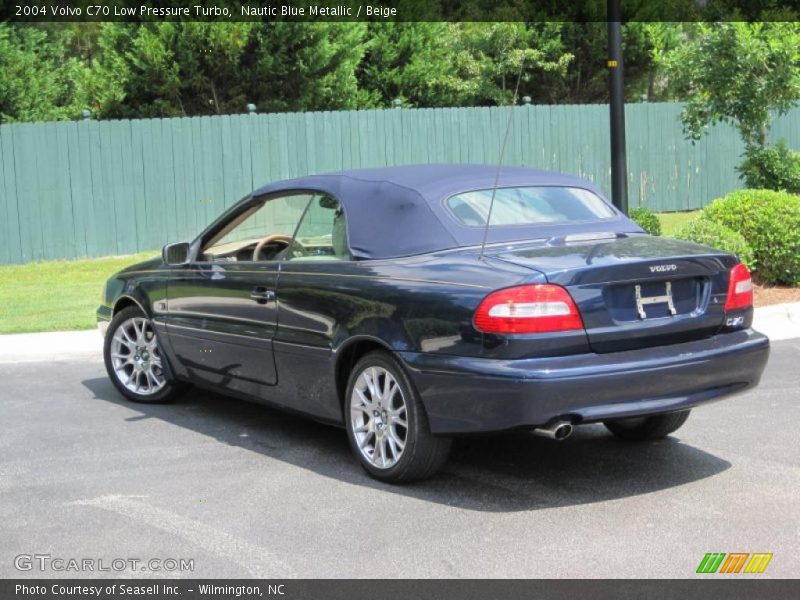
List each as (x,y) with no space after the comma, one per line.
(256,560)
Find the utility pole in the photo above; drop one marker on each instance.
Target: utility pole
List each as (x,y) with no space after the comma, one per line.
(619,169)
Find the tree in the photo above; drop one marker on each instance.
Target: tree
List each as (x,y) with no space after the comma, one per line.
(410,61)
(458,64)
(39,81)
(738,73)
(135,72)
(500,53)
(304,66)
(177,69)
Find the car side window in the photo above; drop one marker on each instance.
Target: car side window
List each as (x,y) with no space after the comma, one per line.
(322,234)
(262,232)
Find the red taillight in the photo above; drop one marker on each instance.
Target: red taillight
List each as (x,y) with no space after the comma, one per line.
(740,289)
(537,308)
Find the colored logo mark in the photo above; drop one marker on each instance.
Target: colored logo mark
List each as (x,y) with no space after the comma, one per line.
(735,562)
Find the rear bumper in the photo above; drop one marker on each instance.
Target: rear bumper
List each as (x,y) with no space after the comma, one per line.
(470,395)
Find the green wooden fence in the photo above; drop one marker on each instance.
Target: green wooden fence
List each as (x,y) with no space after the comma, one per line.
(94,188)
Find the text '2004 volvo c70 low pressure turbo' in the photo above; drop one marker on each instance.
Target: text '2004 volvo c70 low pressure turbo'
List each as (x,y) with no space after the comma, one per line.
(380,301)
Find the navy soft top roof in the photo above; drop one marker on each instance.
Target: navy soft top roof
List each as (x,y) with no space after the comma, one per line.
(400,211)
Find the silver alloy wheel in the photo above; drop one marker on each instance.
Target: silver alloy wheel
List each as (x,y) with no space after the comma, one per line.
(378,417)
(136,358)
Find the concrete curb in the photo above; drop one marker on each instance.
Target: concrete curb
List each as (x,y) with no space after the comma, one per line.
(56,345)
(778,322)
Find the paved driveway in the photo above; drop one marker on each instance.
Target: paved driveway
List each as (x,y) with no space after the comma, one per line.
(247,491)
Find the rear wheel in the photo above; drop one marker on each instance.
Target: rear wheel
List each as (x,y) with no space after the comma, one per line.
(387,425)
(647,428)
(134,361)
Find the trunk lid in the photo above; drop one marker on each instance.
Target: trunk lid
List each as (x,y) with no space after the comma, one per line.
(635,291)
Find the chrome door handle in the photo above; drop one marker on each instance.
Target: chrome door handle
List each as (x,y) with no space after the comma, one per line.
(262,295)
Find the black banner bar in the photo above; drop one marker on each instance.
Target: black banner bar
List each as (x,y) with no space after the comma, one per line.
(317,589)
(34,11)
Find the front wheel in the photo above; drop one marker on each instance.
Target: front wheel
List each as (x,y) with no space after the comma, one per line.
(647,428)
(387,425)
(134,361)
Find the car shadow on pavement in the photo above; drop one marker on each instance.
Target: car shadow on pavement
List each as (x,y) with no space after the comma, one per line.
(501,473)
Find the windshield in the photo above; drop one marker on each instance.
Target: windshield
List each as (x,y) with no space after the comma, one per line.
(529,206)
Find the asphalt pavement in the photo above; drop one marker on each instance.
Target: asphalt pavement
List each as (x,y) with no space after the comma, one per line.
(245,491)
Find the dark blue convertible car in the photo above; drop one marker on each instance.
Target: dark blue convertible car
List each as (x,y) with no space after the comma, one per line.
(379,300)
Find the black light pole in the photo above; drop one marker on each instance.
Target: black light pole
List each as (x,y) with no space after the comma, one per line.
(619,175)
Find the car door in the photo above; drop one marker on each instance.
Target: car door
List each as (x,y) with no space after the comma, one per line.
(316,295)
(221,308)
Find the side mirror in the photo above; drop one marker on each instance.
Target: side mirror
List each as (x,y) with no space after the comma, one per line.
(176,254)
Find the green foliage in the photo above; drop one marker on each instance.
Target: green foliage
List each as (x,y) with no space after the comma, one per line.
(646,219)
(491,56)
(457,64)
(775,168)
(177,69)
(586,77)
(38,79)
(710,233)
(735,72)
(305,66)
(53,70)
(770,222)
(408,61)
(132,70)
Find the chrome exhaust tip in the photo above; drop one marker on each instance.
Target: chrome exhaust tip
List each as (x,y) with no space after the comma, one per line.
(560,430)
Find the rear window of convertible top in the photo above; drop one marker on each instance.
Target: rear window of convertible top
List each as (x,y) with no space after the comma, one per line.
(528,206)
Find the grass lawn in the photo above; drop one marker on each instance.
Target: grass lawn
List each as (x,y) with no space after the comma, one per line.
(673,220)
(56,295)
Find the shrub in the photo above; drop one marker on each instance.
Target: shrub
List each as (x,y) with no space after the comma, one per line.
(770,222)
(706,232)
(646,219)
(776,168)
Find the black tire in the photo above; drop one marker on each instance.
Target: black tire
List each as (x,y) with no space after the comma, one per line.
(171,389)
(423,453)
(647,428)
